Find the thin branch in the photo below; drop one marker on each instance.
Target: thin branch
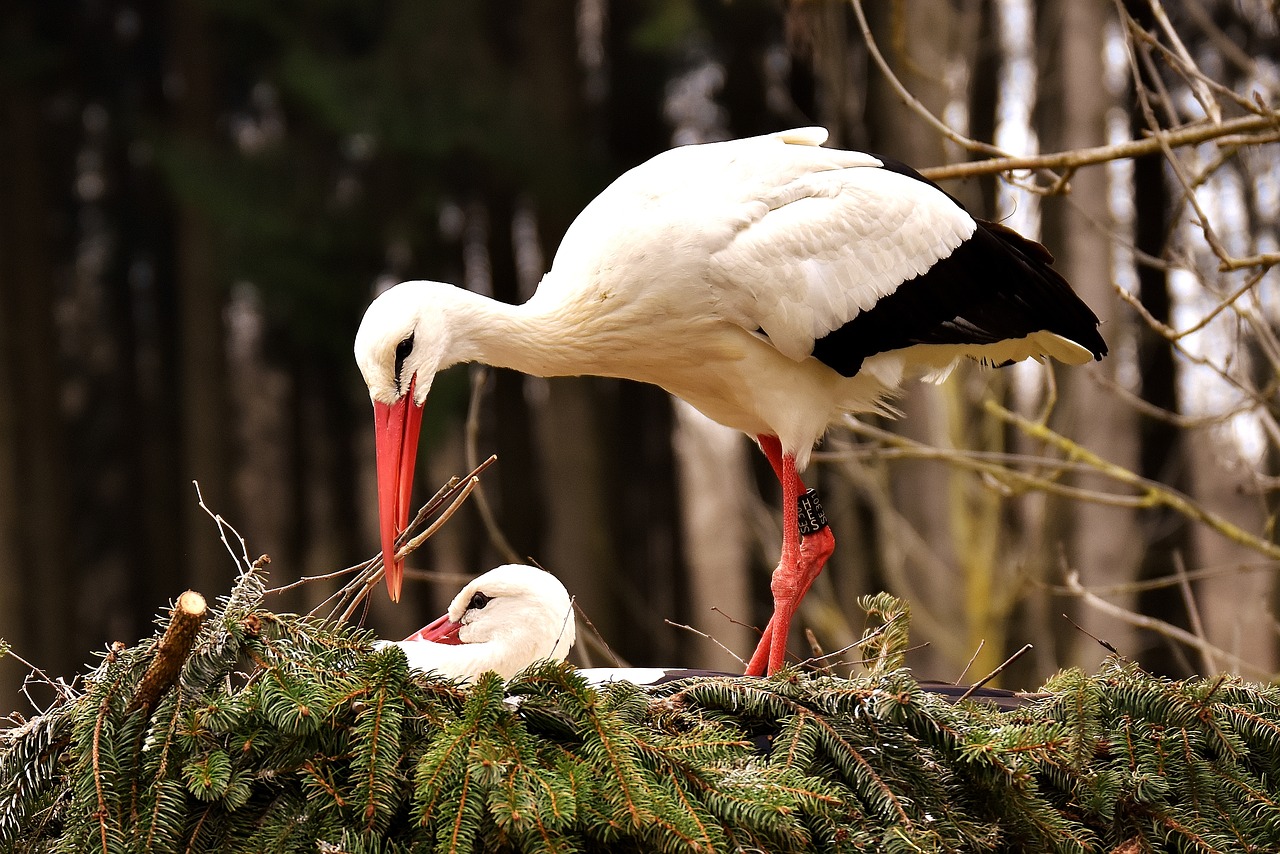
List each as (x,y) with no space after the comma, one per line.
(737,622)
(1262,259)
(1160,627)
(1193,613)
(414,544)
(64,691)
(479,378)
(1161,136)
(994,673)
(994,465)
(1230,300)
(1257,397)
(815,649)
(912,102)
(1151,410)
(1222,43)
(327,576)
(594,636)
(841,651)
(411,546)
(1107,645)
(705,636)
(1131,587)
(1151,492)
(972,659)
(445,502)
(1189,134)
(1186,72)
(223,527)
(1192,74)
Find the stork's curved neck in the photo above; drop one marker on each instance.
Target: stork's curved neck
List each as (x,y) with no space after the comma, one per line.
(542,337)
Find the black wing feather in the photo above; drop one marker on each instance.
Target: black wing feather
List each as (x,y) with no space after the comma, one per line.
(996,286)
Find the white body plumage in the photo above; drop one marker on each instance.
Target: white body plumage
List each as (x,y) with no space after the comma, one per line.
(711,271)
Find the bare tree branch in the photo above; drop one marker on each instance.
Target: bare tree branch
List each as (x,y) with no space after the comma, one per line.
(1160,627)
(1189,134)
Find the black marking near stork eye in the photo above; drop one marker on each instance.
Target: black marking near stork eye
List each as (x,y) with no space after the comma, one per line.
(478,601)
(403,349)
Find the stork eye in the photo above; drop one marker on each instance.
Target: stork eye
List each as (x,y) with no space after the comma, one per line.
(403,349)
(478,601)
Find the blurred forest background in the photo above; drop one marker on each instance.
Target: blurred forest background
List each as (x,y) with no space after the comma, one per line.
(198,198)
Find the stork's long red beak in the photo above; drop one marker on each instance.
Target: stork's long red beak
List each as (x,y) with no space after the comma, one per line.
(442,630)
(396,428)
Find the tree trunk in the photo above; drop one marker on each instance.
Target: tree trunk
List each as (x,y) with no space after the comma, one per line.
(921,491)
(201,302)
(1161,456)
(713,466)
(1071,105)
(578,539)
(35,526)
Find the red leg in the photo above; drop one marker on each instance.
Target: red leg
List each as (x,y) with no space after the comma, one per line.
(802,559)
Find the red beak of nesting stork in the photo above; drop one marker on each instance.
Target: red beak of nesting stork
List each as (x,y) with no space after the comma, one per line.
(396,428)
(441,630)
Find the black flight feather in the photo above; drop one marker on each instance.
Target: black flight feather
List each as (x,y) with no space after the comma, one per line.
(995,286)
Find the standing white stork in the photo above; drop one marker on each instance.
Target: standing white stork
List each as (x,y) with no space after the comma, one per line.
(502,621)
(773,284)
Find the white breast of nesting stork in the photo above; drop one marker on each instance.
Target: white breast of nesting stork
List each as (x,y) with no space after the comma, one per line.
(507,619)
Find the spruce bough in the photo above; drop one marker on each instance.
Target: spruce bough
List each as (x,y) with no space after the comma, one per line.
(286,733)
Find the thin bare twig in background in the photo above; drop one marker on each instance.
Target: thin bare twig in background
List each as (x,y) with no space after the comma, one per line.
(1151,492)
(1160,627)
(912,102)
(223,527)
(1107,645)
(1189,134)
(1193,614)
(479,380)
(1129,588)
(972,659)
(705,636)
(595,638)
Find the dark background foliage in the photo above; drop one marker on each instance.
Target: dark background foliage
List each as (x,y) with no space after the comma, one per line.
(199,197)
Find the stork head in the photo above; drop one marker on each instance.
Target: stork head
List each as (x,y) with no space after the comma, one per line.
(400,346)
(512,616)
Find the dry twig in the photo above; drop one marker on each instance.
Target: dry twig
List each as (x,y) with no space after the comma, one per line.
(994,673)
(448,499)
(172,651)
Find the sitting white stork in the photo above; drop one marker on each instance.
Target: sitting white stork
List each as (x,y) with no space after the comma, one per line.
(502,621)
(773,284)
(513,616)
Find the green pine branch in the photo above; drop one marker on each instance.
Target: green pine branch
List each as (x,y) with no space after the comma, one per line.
(286,733)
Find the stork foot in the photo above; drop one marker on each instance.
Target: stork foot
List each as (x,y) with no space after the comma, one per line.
(806,544)
(788,589)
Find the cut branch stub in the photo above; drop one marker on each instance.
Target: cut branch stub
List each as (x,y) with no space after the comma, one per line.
(184,623)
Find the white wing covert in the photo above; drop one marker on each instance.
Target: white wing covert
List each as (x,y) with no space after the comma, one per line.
(813,252)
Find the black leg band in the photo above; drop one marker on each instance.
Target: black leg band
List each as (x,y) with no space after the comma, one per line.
(811,518)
